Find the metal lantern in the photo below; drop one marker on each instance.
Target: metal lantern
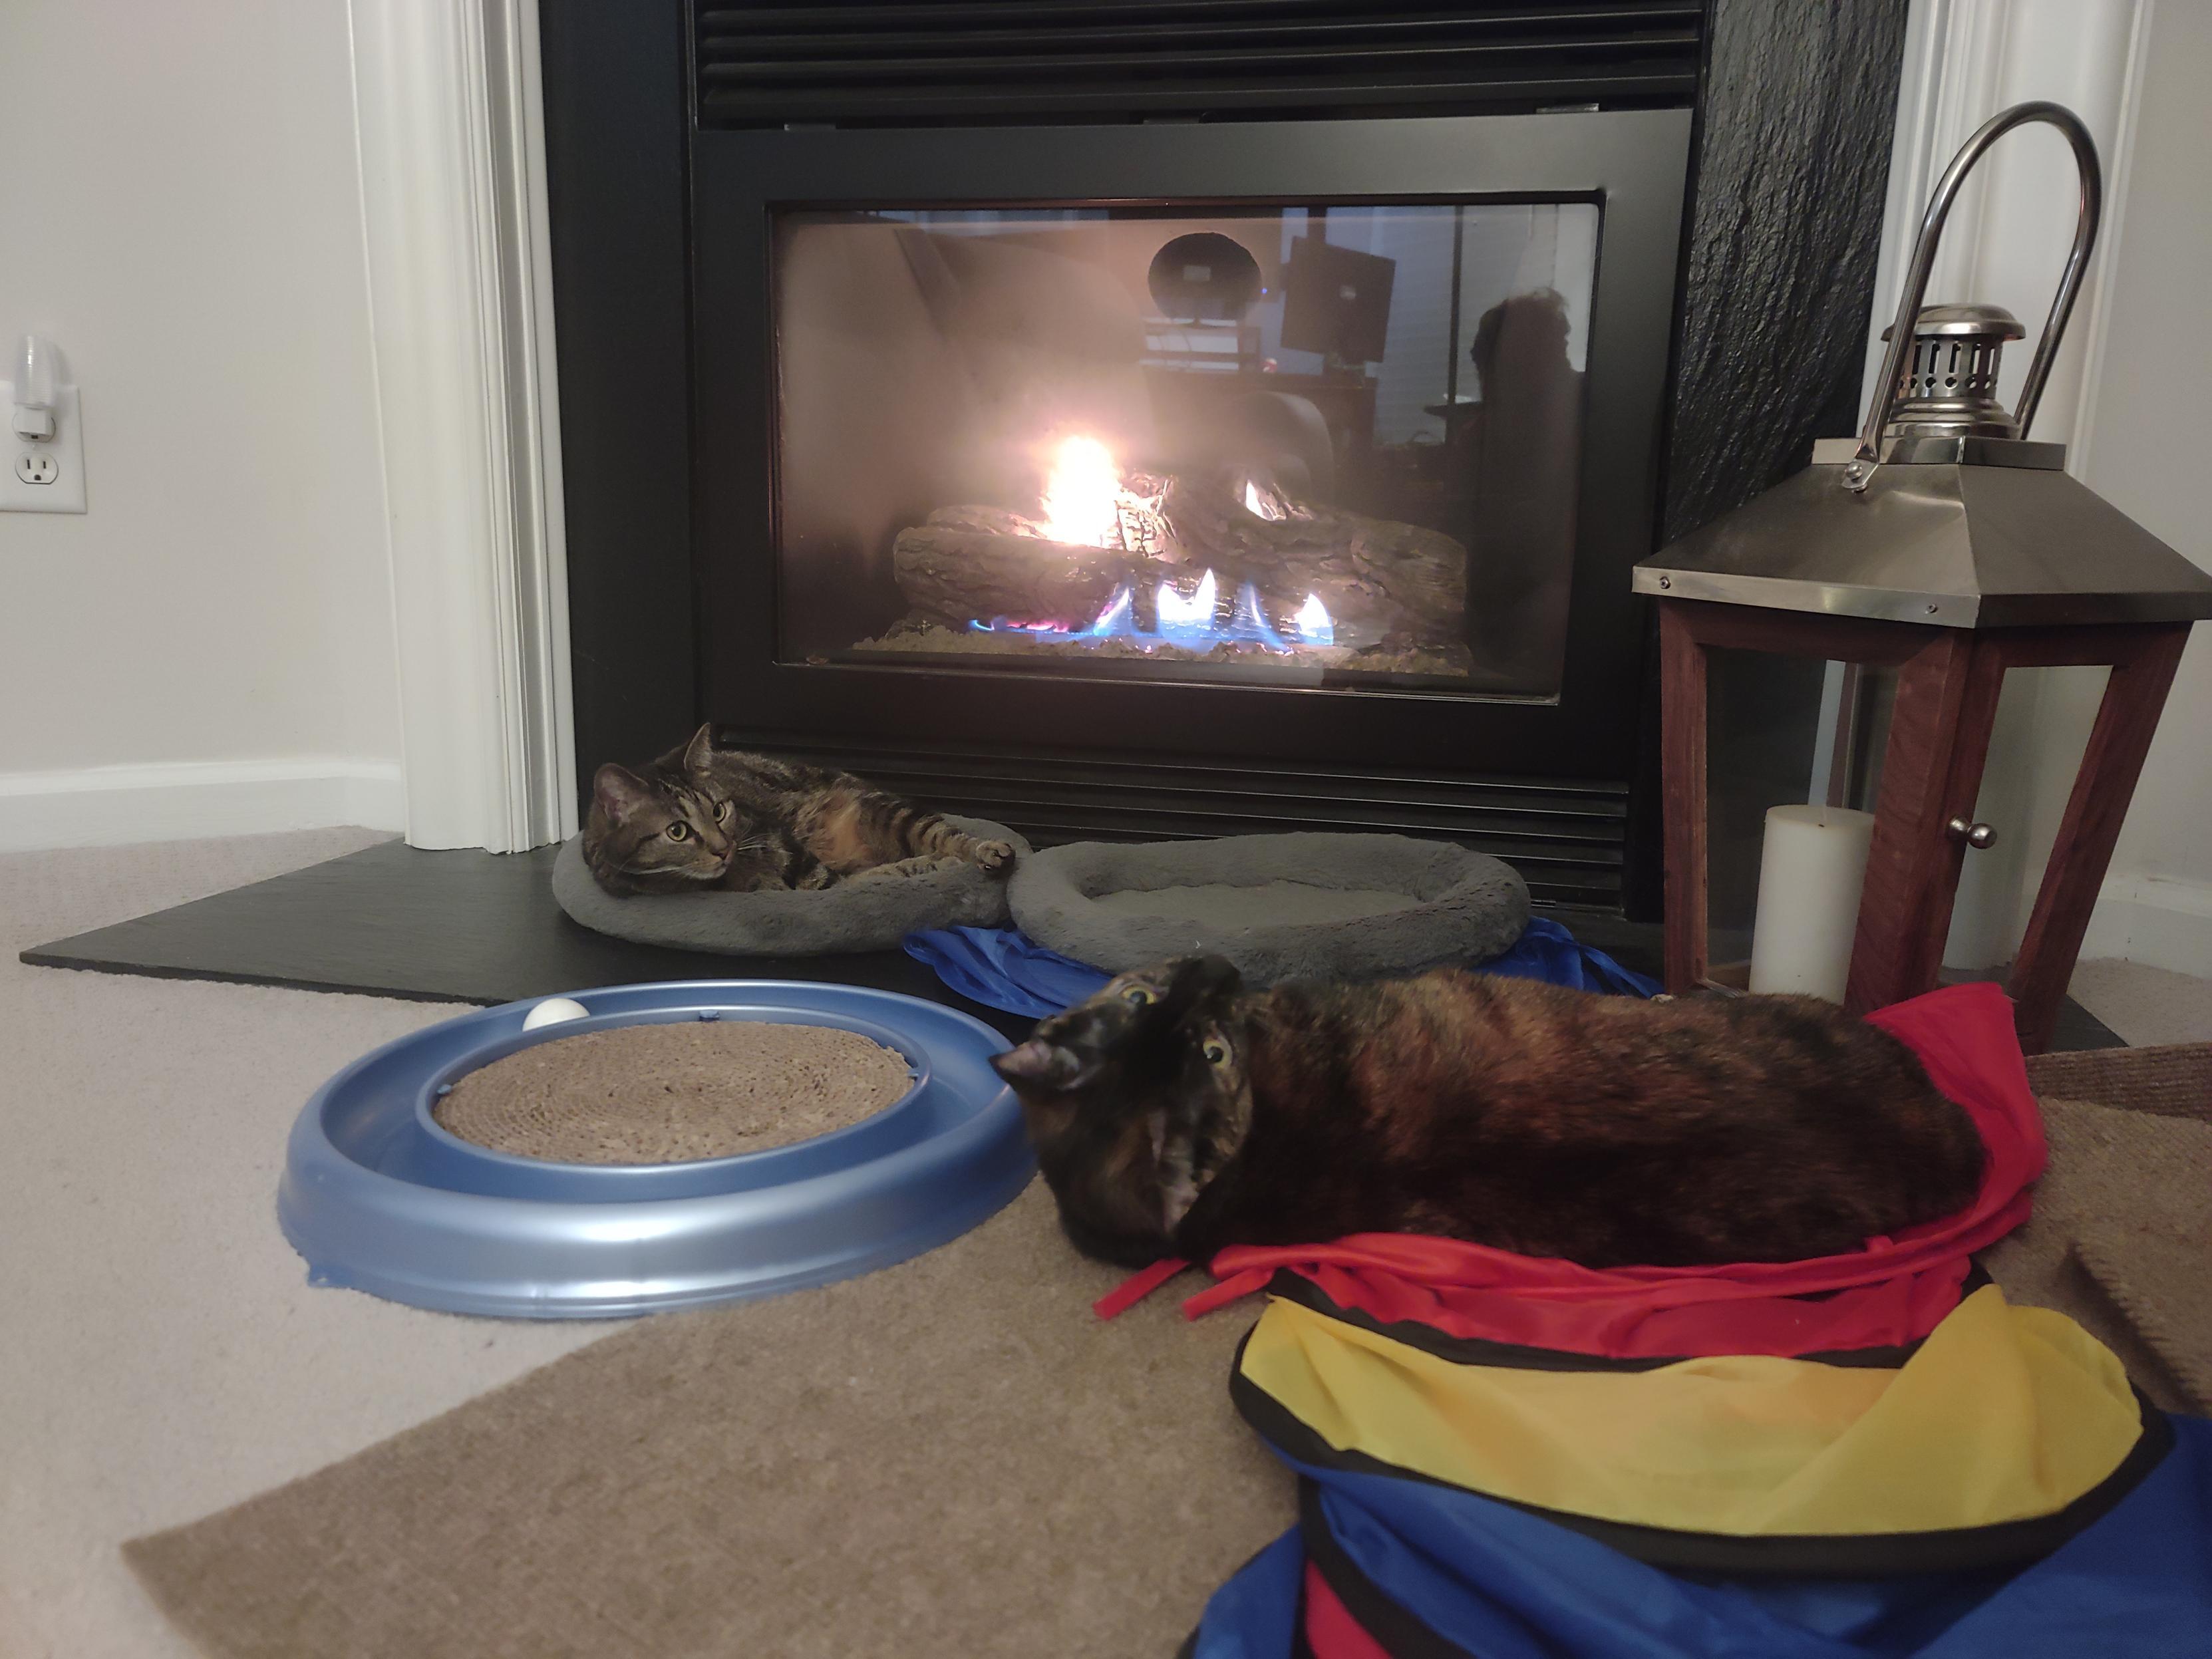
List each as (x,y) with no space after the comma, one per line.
(1945,542)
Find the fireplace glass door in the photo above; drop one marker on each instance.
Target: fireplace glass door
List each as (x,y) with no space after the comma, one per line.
(1326,444)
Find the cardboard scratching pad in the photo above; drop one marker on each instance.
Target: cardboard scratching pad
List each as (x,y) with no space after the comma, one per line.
(668,1093)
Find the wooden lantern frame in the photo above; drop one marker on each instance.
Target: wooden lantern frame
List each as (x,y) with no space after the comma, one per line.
(1948,679)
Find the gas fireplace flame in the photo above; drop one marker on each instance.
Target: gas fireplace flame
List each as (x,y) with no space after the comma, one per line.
(1314,623)
(1259,506)
(1086,505)
(1081,495)
(1192,621)
(1193,616)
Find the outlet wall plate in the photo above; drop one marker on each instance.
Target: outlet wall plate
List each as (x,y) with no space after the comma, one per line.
(65,450)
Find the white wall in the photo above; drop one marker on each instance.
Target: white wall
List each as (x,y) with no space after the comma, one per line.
(2149,449)
(2005,242)
(2128,396)
(209,648)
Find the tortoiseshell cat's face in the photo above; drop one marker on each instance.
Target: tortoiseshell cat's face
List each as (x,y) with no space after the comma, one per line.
(1135,1099)
(658,835)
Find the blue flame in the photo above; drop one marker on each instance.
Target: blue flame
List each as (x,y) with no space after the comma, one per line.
(1192,621)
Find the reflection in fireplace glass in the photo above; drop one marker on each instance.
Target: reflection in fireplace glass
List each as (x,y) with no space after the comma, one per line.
(1323,445)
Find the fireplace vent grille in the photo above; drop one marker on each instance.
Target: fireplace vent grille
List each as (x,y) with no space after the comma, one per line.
(1564,835)
(942,62)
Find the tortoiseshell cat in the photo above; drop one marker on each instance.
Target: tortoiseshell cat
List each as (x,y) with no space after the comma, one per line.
(1175,1114)
(700,817)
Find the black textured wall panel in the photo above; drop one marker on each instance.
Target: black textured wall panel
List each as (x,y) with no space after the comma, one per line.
(1789,173)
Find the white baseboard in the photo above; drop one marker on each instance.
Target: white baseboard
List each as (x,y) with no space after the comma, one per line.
(2155,920)
(115,805)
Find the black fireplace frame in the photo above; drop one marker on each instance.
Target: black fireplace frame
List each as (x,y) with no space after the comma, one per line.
(1631,163)
(1793,106)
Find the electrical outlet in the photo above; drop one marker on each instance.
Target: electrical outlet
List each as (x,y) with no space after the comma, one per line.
(47,476)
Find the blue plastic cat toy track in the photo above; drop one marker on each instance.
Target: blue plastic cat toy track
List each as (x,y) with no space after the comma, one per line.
(378,1197)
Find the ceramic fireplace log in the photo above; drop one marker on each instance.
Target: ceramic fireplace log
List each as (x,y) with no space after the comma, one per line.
(976,564)
(1378,579)
(1380,582)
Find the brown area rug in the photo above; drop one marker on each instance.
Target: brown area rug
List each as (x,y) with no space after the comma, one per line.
(2172,1081)
(949,1457)
(2122,1239)
(2153,1274)
(952,1457)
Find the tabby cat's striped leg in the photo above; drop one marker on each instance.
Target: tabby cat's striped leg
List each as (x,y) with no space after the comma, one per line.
(932,834)
(880,827)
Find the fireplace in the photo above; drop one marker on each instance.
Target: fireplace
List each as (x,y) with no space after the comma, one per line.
(1250,446)
(1256,451)
(1164,418)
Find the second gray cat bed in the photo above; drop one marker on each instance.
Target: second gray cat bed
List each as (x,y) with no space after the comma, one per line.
(1280,907)
(857,914)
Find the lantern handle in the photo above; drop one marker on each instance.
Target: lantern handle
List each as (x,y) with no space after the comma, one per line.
(1923,260)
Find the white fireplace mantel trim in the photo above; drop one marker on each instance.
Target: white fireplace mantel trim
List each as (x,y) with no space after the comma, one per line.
(448,116)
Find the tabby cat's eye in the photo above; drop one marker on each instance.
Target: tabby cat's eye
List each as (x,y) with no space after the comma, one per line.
(679,830)
(721,811)
(1216,1052)
(1137,995)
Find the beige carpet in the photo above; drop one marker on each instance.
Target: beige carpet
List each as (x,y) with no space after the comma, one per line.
(164,1359)
(950,1458)
(2144,1006)
(161,1353)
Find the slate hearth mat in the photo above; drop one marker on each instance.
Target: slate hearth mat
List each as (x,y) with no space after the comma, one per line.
(457,927)
(472,926)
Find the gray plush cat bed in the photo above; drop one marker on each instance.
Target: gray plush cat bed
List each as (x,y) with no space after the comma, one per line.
(1280,907)
(857,914)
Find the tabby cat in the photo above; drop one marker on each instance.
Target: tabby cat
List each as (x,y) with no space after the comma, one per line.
(1174,1113)
(701,817)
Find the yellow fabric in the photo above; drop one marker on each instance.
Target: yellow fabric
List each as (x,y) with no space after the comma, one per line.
(2002,1414)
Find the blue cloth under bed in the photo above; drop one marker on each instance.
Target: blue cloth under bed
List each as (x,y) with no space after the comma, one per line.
(1004,968)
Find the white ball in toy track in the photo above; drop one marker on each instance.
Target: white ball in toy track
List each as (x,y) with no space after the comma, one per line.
(555,1010)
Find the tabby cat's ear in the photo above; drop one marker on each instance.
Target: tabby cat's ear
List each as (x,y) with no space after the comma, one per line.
(617,789)
(699,753)
(1043,1066)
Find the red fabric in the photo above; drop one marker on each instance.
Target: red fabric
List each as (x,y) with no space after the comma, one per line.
(1892,1291)
(1137,1286)
(1331,1631)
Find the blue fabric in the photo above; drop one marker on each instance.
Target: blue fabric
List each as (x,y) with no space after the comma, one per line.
(1499,1583)
(1005,968)
(1254,1615)
(1548,951)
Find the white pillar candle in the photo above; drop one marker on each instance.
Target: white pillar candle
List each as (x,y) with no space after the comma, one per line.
(1812,869)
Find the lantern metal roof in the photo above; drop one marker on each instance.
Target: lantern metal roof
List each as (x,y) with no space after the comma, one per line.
(1941,512)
